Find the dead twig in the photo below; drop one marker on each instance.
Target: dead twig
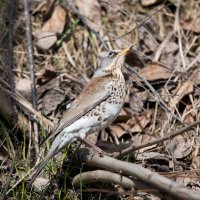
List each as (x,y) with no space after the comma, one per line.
(162,46)
(155,93)
(177,29)
(30,52)
(27,107)
(108,192)
(10,52)
(3,195)
(138,24)
(19,181)
(10,45)
(156,141)
(105,177)
(32,75)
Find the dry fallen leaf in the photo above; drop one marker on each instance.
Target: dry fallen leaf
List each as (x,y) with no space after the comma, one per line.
(196,77)
(46,36)
(154,161)
(51,100)
(57,21)
(170,47)
(196,163)
(192,25)
(23,86)
(110,9)
(42,6)
(93,137)
(136,101)
(149,2)
(90,11)
(179,148)
(180,92)
(189,114)
(154,72)
(138,122)
(119,129)
(152,155)
(40,183)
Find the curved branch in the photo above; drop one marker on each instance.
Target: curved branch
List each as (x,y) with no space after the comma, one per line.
(108,177)
(152,178)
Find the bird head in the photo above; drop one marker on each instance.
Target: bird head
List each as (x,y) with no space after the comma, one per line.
(113,60)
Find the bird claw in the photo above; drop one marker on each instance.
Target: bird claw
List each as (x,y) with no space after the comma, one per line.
(96,151)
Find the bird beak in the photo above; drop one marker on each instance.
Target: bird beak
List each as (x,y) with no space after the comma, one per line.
(118,61)
(125,51)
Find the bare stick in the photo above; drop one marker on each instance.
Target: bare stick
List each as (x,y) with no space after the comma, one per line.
(157,181)
(162,46)
(30,52)
(138,25)
(19,181)
(156,141)
(155,93)
(10,51)
(31,69)
(10,77)
(177,29)
(27,108)
(103,176)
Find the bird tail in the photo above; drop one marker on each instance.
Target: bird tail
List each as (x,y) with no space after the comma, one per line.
(42,164)
(55,148)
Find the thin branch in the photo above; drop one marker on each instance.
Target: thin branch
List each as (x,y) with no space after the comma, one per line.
(31,69)
(139,24)
(30,51)
(19,181)
(155,93)
(27,108)
(177,29)
(156,141)
(162,46)
(10,50)
(103,176)
(3,195)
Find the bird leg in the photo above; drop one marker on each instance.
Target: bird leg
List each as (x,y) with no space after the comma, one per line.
(93,146)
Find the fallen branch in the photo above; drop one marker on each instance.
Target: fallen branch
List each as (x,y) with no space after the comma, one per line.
(27,107)
(107,177)
(32,74)
(152,178)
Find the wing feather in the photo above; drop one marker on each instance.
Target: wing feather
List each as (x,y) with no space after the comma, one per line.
(94,93)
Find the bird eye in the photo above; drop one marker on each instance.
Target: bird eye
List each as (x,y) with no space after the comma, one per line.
(111,54)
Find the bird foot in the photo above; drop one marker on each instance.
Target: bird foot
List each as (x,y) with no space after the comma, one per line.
(94,148)
(98,151)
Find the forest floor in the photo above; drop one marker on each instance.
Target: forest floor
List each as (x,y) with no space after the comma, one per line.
(69,39)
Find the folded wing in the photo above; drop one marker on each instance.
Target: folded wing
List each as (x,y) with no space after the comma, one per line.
(94,93)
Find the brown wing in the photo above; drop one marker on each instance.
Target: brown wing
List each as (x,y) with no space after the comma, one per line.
(94,93)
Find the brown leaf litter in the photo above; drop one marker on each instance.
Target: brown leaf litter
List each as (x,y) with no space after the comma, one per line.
(47,35)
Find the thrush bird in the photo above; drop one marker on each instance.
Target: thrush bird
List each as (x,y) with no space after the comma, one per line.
(94,109)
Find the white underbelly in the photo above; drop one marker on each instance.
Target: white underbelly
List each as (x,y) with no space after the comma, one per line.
(89,123)
(95,122)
